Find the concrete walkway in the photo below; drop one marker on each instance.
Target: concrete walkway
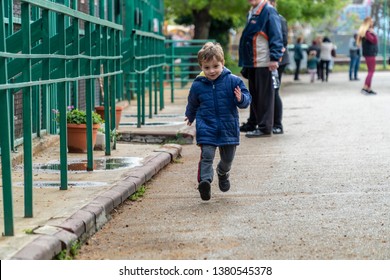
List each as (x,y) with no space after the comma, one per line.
(320,191)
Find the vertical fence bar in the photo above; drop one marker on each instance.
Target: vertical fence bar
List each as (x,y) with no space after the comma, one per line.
(27,113)
(46,68)
(150,93)
(107,104)
(89,93)
(161,72)
(76,51)
(113,84)
(172,72)
(118,66)
(5,137)
(11,101)
(62,104)
(155,74)
(139,100)
(143,85)
(8,11)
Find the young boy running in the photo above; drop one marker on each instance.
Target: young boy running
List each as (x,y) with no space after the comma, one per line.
(213,100)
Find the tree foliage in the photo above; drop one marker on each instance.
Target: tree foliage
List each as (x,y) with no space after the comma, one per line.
(202,12)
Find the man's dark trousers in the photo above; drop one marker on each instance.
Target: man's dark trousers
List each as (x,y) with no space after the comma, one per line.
(263,98)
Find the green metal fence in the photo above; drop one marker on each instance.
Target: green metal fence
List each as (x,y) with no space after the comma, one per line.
(182,63)
(54,53)
(45,53)
(144,55)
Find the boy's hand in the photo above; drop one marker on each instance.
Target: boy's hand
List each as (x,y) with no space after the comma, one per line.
(237,93)
(188,123)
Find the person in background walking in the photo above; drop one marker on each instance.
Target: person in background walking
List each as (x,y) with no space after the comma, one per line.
(312,62)
(325,57)
(369,42)
(298,56)
(315,46)
(213,100)
(278,113)
(260,50)
(354,55)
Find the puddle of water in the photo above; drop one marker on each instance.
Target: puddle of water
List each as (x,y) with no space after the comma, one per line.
(98,164)
(41,184)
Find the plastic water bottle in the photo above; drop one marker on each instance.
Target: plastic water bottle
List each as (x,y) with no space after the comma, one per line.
(275,79)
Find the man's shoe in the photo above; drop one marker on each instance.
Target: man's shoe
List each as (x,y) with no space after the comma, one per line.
(371,92)
(365,91)
(204,188)
(257,133)
(277,130)
(245,127)
(223,182)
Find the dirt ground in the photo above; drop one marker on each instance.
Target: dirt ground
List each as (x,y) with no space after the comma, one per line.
(318,191)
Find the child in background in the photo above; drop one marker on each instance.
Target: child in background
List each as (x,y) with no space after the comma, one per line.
(213,100)
(312,62)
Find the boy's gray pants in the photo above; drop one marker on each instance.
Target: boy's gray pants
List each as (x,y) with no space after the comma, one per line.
(205,169)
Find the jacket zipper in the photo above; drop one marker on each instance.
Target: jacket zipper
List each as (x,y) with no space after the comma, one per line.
(216,111)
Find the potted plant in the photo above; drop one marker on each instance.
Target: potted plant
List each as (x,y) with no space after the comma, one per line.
(100,109)
(77,129)
(118,113)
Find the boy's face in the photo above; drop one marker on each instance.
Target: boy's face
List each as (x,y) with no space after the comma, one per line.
(212,69)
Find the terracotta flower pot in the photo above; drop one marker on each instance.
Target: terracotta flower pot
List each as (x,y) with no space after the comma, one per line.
(77,137)
(118,114)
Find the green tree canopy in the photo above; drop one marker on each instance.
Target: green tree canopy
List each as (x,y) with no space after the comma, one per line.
(202,12)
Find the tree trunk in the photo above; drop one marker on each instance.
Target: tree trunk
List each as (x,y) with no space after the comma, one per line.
(202,21)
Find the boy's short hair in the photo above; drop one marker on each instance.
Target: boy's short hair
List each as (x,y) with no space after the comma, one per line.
(209,51)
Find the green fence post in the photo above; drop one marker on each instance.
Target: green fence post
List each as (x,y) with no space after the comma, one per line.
(143,84)
(107,96)
(138,100)
(161,79)
(76,62)
(172,72)
(27,113)
(155,75)
(46,70)
(62,104)
(5,138)
(150,93)
(89,93)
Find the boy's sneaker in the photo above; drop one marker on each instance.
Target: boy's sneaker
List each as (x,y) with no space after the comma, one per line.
(223,182)
(204,188)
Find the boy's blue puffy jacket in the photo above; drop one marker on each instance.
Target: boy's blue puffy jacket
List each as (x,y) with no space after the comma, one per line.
(214,106)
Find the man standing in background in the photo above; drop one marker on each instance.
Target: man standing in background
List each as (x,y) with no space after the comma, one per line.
(278,113)
(260,50)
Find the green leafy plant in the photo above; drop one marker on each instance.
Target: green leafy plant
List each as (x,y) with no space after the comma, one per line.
(29,231)
(139,193)
(114,134)
(73,251)
(76,116)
